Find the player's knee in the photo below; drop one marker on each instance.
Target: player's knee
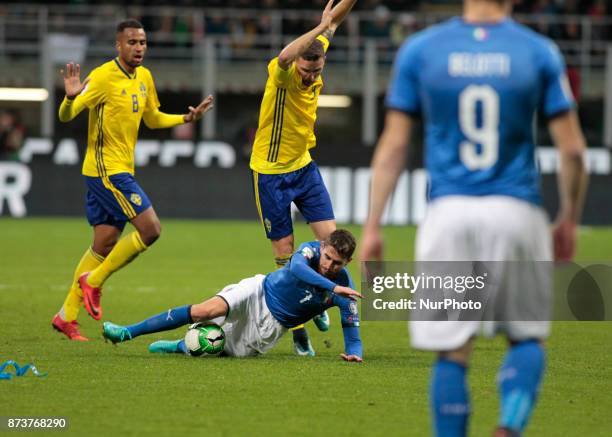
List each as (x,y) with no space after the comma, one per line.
(460,355)
(283,246)
(151,233)
(200,312)
(104,247)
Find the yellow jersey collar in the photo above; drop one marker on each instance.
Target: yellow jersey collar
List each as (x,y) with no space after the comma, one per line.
(123,70)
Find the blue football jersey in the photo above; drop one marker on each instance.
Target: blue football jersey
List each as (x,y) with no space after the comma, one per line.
(297,292)
(478,88)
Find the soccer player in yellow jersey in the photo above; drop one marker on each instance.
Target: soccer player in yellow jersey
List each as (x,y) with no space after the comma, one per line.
(118,94)
(283,171)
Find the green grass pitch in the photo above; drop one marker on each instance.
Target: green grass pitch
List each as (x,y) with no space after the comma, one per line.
(124,390)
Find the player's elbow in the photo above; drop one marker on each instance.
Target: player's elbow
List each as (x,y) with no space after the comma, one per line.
(284,60)
(573,148)
(567,135)
(152,120)
(64,118)
(149,123)
(151,232)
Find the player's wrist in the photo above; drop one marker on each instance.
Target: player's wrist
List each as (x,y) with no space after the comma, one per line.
(569,216)
(322,27)
(372,225)
(70,98)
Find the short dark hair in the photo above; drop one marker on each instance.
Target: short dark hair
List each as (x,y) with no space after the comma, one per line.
(314,52)
(343,241)
(129,24)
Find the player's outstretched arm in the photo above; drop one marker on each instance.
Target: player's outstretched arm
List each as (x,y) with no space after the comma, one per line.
(155,119)
(73,87)
(298,46)
(353,348)
(568,138)
(340,11)
(347,292)
(387,164)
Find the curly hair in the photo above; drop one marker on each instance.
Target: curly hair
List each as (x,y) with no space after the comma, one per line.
(343,242)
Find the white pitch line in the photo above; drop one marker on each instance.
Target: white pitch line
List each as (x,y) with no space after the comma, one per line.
(145,289)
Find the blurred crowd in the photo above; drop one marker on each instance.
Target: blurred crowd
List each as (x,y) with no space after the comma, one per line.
(247,28)
(12,133)
(387,20)
(545,11)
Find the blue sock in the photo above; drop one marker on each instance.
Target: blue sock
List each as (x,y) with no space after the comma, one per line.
(182,347)
(449,399)
(519,381)
(171,319)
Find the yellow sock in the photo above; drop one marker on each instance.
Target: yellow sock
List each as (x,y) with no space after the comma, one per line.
(281,261)
(72,304)
(124,251)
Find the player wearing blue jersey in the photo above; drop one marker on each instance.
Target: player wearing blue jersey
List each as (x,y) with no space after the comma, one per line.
(477,81)
(257,311)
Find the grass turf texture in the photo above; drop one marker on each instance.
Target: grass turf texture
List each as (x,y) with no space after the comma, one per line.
(105,389)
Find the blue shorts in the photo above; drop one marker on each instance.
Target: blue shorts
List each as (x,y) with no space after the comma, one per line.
(275,192)
(114,200)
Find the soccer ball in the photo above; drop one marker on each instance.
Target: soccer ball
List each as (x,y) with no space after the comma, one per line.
(206,338)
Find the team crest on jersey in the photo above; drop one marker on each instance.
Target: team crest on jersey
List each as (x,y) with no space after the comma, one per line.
(480,34)
(143,90)
(307,253)
(268,225)
(136,199)
(353,308)
(123,93)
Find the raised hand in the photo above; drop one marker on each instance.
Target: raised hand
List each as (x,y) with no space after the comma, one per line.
(197,112)
(72,80)
(347,292)
(327,17)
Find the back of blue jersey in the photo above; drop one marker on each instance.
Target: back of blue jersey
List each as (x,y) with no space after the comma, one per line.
(478,87)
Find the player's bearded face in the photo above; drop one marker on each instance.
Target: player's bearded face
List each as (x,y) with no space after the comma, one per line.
(330,263)
(309,71)
(132,46)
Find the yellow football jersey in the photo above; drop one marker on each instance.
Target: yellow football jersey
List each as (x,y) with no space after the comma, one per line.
(117,102)
(286,121)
